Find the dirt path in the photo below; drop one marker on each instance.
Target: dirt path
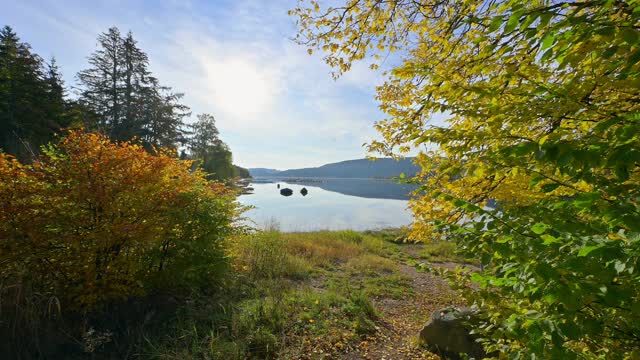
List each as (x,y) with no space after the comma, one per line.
(402,319)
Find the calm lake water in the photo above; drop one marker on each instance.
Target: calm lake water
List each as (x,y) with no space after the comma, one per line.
(330,204)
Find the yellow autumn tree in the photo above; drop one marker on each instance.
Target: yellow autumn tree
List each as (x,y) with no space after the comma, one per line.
(95,222)
(536,170)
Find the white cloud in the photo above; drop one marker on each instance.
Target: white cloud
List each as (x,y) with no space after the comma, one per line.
(275,105)
(260,85)
(238,83)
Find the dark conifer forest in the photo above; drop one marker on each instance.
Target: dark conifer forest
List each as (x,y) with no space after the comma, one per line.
(116,95)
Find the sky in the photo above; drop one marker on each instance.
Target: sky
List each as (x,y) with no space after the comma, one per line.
(274,104)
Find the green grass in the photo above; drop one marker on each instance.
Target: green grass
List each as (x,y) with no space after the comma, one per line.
(286,295)
(396,235)
(371,264)
(262,327)
(287,288)
(442,251)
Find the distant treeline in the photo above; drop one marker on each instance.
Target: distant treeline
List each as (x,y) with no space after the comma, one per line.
(115,95)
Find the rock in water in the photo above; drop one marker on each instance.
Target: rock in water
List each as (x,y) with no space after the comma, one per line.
(286,192)
(278,186)
(304,191)
(447,333)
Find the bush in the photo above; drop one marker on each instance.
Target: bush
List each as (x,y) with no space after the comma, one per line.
(95,222)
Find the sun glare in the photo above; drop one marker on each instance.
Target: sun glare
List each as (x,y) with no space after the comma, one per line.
(240,87)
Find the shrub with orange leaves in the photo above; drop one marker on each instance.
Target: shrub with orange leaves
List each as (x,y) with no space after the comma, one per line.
(95,222)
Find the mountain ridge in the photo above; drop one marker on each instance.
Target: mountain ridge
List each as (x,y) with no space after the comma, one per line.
(355,168)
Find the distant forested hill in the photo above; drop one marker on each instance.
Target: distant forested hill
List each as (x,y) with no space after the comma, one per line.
(360,168)
(263,172)
(239,171)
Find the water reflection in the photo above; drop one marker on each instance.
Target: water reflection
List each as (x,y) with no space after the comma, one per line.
(320,209)
(368,188)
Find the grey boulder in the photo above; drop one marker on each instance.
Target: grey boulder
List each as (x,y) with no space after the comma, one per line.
(448,333)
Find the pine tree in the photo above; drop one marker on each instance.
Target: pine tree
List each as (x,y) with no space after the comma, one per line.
(31,98)
(163,115)
(56,106)
(136,79)
(102,82)
(126,99)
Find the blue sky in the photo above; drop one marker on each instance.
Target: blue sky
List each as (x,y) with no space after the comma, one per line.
(275,105)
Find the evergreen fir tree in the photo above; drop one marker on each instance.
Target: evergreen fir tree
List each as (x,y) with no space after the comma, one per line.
(126,99)
(31,98)
(102,83)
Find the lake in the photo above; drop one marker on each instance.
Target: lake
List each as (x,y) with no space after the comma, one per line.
(330,204)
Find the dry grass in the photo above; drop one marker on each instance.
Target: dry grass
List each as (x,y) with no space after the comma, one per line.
(288,295)
(324,249)
(261,256)
(295,255)
(371,264)
(442,251)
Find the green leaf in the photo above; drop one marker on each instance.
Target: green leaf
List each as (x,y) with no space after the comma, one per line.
(609,52)
(495,24)
(630,36)
(588,249)
(633,58)
(606,31)
(622,172)
(548,239)
(544,20)
(539,228)
(529,20)
(606,124)
(543,139)
(619,266)
(547,41)
(547,55)
(513,21)
(586,200)
(550,187)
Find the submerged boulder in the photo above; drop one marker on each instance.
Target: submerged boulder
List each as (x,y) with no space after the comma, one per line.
(286,192)
(448,333)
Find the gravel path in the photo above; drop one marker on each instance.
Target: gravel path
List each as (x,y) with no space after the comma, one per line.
(402,319)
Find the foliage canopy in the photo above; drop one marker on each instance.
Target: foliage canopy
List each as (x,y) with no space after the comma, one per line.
(95,222)
(542,116)
(211,153)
